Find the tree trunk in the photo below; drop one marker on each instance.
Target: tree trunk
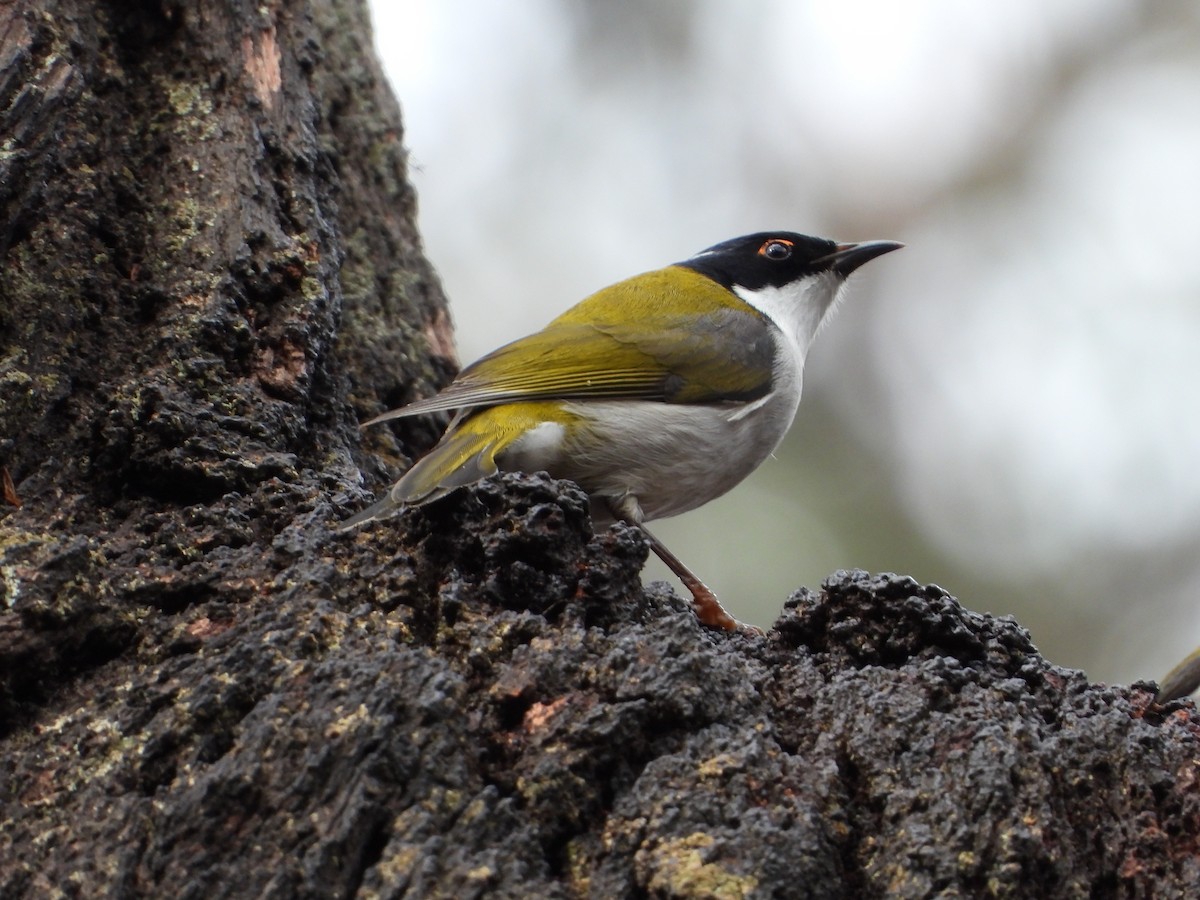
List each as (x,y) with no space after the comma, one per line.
(210,274)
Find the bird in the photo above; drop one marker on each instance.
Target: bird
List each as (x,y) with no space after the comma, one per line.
(655,395)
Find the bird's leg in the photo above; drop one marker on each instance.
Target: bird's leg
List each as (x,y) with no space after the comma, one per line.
(708,608)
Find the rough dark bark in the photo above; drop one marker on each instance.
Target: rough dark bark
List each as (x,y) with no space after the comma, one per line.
(210,270)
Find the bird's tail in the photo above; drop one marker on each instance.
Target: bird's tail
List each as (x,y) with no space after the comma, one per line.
(462,457)
(465,454)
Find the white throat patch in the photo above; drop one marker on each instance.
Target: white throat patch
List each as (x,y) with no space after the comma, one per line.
(798,309)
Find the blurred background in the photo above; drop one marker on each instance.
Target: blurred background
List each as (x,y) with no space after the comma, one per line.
(1009,406)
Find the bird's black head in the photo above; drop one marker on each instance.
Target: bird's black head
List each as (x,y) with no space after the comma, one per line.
(777,258)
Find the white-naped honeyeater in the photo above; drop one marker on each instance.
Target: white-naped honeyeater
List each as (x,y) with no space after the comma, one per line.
(654,395)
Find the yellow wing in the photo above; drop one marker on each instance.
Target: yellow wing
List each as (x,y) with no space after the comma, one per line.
(635,340)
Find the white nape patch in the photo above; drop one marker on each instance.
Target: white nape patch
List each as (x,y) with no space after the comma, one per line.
(799,308)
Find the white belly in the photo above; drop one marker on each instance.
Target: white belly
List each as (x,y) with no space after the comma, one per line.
(671,458)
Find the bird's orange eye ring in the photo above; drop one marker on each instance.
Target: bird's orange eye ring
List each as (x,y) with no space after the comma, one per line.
(776,249)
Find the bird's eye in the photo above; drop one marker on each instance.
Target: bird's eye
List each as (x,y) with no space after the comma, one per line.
(776,250)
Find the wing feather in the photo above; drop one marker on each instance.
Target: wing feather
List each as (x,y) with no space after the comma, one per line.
(598,350)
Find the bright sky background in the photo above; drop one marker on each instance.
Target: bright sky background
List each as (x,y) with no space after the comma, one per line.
(1008,406)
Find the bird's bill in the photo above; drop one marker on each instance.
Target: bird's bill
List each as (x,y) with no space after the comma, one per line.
(848,257)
